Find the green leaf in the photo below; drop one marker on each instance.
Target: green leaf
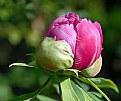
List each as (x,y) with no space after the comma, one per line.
(45,98)
(31,56)
(96,93)
(31,95)
(88,81)
(95,96)
(78,91)
(69,72)
(105,83)
(86,96)
(32,63)
(82,95)
(98,89)
(83,85)
(68,93)
(20,65)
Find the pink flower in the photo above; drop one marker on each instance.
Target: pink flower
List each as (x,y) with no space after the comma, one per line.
(83,36)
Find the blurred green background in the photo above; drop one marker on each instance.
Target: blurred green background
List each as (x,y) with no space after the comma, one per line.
(24,22)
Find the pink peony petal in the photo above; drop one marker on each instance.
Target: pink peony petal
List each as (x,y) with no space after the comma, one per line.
(100,30)
(86,44)
(64,32)
(100,40)
(69,18)
(57,21)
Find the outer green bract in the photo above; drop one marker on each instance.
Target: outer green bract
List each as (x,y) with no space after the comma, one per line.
(54,55)
(94,69)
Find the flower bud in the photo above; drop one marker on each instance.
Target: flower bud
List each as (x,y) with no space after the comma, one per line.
(54,55)
(80,39)
(94,69)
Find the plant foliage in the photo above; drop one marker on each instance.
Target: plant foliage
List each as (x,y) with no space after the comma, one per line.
(71,85)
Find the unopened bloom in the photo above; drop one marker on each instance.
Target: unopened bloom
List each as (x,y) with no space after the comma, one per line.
(82,36)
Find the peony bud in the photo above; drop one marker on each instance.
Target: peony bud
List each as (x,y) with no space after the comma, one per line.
(82,36)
